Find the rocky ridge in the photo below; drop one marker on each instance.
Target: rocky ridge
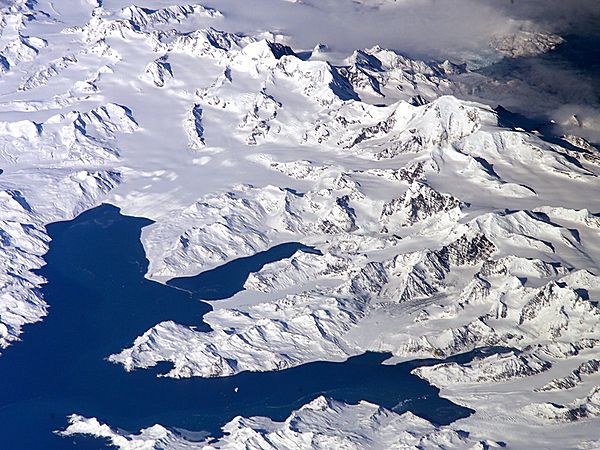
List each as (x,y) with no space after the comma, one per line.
(440,230)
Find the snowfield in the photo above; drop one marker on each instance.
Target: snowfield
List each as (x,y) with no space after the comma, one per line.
(440,229)
(320,424)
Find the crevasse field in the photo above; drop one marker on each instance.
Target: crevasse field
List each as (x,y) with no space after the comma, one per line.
(301,202)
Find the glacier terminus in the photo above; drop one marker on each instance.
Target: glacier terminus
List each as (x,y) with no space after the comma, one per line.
(299,224)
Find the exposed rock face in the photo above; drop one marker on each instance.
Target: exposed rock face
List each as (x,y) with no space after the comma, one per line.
(320,424)
(419,203)
(526,43)
(514,265)
(82,146)
(493,369)
(158,72)
(586,368)
(23,238)
(381,73)
(440,231)
(194,128)
(552,308)
(581,409)
(142,18)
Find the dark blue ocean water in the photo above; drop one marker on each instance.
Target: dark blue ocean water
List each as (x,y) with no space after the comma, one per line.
(100,301)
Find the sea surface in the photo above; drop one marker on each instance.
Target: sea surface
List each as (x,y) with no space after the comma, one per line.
(100,302)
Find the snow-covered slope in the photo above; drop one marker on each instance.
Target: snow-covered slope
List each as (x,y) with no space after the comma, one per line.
(440,230)
(320,424)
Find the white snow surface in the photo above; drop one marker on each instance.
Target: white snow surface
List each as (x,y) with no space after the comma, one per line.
(440,230)
(321,424)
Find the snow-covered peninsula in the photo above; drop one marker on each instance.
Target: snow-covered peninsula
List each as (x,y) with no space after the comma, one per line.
(442,224)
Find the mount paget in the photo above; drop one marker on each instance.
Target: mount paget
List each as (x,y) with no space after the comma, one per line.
(439,229)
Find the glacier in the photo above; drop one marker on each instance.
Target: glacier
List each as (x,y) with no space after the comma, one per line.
(440,227)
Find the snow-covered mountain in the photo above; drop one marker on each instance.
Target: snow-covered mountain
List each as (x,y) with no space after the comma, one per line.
(440,230)
(320,424)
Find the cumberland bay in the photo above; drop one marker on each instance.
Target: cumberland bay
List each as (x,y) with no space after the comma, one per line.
(99,302)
